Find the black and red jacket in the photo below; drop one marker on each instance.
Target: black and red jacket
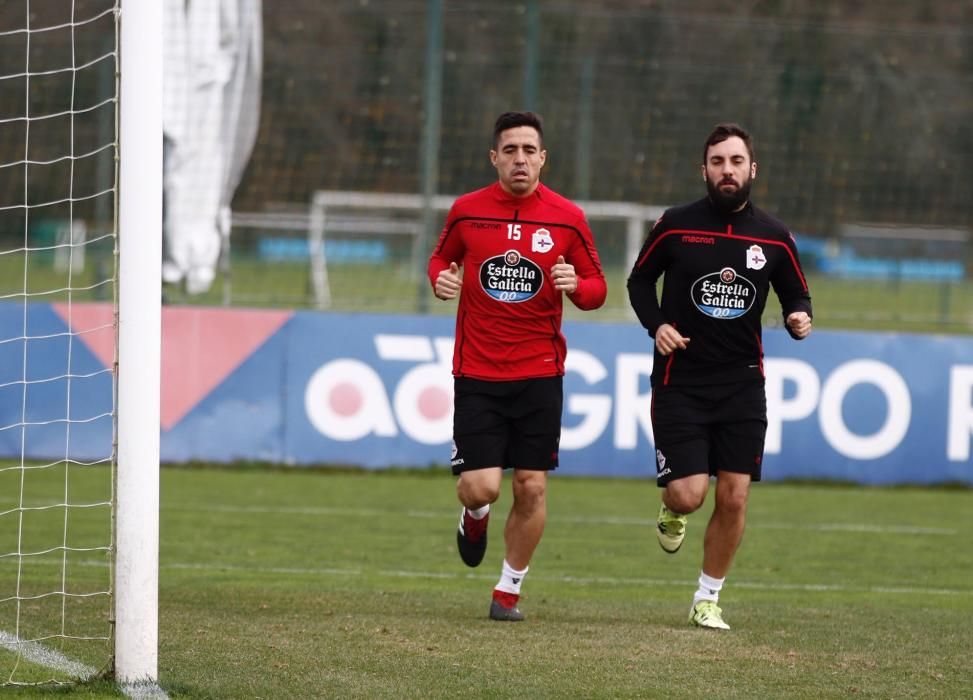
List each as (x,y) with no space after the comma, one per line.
(508,324)
(718,269)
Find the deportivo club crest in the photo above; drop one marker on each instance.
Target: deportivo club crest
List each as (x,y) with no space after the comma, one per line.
(541,241)
(660,464)
(723,294)
(755,257)
(511,277)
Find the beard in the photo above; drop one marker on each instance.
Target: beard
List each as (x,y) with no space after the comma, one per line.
(728,201)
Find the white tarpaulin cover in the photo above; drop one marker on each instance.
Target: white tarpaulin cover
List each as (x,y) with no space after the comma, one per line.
(212,72)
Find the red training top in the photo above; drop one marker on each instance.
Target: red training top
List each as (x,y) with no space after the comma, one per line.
(508,324)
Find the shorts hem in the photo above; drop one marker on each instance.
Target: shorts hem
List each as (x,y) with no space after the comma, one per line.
(457,470)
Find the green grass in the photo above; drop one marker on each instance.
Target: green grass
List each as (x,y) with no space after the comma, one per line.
(307,584)
(882,305)
(839,303)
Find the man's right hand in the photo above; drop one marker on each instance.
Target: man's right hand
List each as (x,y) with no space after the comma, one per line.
(449,282)
(668,339)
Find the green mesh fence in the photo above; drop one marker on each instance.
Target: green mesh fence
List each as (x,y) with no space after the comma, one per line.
(860,114)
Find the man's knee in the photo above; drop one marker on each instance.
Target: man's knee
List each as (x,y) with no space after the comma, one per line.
(732,493)
(686,495)
(478,488)
(733,502)
(530,488)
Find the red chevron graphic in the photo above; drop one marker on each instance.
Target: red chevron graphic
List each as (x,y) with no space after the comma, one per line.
(200,346)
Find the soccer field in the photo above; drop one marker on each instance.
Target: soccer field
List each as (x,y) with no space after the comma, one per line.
(300,584)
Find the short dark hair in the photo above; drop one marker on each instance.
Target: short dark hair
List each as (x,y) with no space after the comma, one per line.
(721,132)
(509,120)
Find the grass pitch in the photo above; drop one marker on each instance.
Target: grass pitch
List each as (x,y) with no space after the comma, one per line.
(301,584)
(885,304)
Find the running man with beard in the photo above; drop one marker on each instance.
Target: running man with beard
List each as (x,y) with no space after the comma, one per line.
(511,252)
(720,257)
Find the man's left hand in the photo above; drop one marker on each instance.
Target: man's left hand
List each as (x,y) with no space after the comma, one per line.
(563,276)
(799,324)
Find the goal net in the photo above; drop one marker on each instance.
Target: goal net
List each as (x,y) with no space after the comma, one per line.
(59,291)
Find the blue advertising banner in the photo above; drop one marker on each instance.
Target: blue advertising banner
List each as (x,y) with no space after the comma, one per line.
(375,391)
(851,406)
(56,397)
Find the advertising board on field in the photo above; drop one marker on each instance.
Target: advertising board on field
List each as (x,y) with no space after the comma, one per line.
(312,388)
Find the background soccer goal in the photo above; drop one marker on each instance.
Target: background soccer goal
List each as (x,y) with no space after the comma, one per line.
(79,529)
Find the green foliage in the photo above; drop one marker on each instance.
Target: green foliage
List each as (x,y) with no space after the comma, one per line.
(855,119)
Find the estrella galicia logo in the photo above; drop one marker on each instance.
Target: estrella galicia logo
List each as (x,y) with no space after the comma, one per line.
(723,294)
(511,277)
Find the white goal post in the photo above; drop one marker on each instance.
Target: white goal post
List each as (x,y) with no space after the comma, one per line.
(139,343)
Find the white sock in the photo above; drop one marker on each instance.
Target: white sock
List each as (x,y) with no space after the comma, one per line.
(479,513)
(709,588)
(511,579)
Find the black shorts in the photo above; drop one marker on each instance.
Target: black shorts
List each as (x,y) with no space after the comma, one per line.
(706,429)
(506,424)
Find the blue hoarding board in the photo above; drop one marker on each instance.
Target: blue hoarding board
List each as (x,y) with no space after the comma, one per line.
(874,408)
(376,391)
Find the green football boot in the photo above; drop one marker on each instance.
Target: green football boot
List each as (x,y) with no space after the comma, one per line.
(706,613)
(671,529)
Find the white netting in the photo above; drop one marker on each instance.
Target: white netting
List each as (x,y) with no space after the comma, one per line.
(58,192)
